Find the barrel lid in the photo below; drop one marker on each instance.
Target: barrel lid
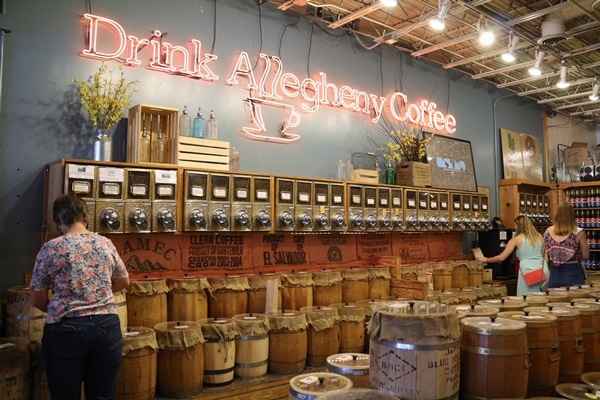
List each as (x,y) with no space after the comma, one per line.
(583,308)
(559,312)
(349,360)
(577,391)
(529,318)
(318,382)
(357,394)
(587,300)
(503,303)
(492,324)
(467,310)
(415,307)
(591,378)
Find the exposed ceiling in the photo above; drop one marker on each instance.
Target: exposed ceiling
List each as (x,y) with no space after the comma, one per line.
(567,32)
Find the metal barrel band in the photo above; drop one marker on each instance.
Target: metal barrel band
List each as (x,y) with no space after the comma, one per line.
(256,337)
(251,365)
(494,352)
(421,347)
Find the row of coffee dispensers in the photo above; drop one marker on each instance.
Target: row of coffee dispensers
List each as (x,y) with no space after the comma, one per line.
(133,199)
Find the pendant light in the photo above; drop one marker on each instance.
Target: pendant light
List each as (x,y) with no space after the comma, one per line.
(510,56)
(437,22)
(563,83)
(594,96)
(536,70)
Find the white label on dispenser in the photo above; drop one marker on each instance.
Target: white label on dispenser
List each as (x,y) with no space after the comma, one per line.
(138,190)
(444,205)
(111,174)
(423,204)
(384,202)
(111,189)
(337,199)
(321,198)
(355,199)
(197,191)
(164,190)
(219,192)
(411,203)
(262,195)
(287,196)
(370,201)
(396,201)
(80,187)
(81,171)
(466,206)
(434,204)
(502,235)
(241,194)
(164,176)
(303,197)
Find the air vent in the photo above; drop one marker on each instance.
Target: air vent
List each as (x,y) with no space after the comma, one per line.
(553,31)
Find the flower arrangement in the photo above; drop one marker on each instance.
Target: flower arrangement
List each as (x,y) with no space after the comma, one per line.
(104,100)
(405,142)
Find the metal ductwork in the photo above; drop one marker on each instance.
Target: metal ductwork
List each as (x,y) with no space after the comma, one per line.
(553,26)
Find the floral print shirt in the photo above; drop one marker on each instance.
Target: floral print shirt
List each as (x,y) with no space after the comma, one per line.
(564,252)
(79,269)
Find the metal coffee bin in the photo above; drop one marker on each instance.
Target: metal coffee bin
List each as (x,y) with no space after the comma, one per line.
(138,202)
(164,200)
(219,202)
(284,205)
(304,205)
(356,208)
(195,206)
(241,206)
(262,209)
(110,204)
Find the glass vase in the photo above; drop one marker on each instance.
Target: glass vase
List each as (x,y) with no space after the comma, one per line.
(102,145)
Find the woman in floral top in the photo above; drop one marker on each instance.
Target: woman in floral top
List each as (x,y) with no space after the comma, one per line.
(82,340)
(566,246)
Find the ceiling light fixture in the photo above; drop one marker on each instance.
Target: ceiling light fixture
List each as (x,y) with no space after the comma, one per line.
(594,96)
(437,22)
(510,56)
(389,3)
(536,70)
(563,83)
(486,36)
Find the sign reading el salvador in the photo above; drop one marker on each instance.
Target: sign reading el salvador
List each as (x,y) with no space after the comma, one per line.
(271,85)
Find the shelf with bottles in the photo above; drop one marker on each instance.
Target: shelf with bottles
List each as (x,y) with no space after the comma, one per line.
(152,134)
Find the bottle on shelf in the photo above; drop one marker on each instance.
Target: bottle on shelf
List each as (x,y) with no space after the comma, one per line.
(390,174)
(145,141)
(198,125)
(341,170)
(234,159)
(212,127)
(349,171)
(159,155)
(185,123)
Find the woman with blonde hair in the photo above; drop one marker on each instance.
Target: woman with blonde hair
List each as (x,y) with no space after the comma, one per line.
(529,246)
(566,246)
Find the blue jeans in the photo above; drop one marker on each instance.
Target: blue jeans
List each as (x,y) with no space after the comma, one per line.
(566,275)
(83,350)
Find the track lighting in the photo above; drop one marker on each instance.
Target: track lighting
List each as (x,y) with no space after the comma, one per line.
(536,70)
(486,36)
(389,3)
(594,96)
(510,56)
(563,83)
(437,22)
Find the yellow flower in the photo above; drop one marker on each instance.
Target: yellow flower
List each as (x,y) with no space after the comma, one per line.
(104,100)
(405,145)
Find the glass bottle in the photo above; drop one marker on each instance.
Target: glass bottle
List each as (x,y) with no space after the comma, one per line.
(198,125)
(390,174)
(185,123)
(234,159)
(145,140)
(341,170)
(212,127)
(349,171)
(160,145)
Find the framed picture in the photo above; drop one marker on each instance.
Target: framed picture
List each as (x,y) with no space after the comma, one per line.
(451,164)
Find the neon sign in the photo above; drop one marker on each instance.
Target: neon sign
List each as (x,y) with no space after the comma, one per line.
(275,87)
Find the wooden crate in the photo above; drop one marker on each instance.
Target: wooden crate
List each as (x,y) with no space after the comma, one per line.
(202,153)
(365,176)
(413,174)
(411,289)
(146,115)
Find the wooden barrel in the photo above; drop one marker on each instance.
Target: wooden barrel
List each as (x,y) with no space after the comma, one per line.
(475,273)
(352,327)
(219,350)
(22,320)
(137,373)
(563,292)
(369,306)
(460,275)
(544,350)
(147,302)
(442,277)
(311,386)
(352,365)
(504,304)
(252,345)
(15,377)
(187,299)
(323,334)
(121,302)
(570,340)
(589,317)
(379,282)
(229,296)
(180,361)
(590,329)
(288,342)
(463,295)
(536,299)
(483,292)
(448,298)
(499,290)
(355,285)
(493,358)
(297,290)
(260,300)
(328,287)
(414,351)
(357,394)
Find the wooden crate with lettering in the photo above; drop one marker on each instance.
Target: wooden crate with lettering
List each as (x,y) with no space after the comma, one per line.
(413,174)
(411,289)
(202,153)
